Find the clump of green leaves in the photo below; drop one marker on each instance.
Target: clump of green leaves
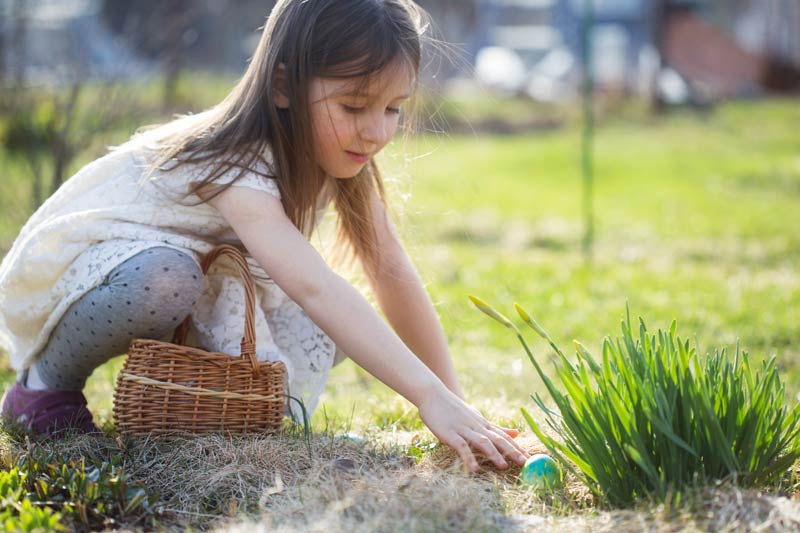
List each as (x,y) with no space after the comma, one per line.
(420,448)
(17,513)
(86,496)
(652,417)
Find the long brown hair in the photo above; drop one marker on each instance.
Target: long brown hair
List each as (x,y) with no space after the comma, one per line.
(352,39)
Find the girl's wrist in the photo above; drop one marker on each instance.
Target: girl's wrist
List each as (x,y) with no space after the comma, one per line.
(454,387)
(426,390)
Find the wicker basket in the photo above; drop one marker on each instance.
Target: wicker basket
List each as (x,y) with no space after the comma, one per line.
(166,388)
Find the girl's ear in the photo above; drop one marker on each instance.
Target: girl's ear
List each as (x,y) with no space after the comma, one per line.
(280,92)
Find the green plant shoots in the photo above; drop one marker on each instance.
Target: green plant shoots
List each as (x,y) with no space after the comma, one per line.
(651,417)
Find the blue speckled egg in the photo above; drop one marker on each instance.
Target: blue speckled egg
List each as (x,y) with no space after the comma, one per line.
(540,471)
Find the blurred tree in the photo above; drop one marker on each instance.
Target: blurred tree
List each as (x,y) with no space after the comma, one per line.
(2,52)
(19,23)
(160,30)
(177,26)
(49,127)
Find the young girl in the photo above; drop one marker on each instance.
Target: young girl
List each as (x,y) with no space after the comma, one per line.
(113,254)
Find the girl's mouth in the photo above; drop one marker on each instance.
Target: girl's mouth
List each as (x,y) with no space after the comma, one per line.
(358,158)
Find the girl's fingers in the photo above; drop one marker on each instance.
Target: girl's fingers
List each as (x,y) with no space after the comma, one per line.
(493,442)
(513,433)
(489,447)
(516,452)
(462,448)
(511,449)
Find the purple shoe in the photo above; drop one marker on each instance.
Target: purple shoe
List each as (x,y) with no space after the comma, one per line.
(48,412)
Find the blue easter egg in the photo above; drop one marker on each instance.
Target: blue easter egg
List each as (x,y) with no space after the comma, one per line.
(540,471)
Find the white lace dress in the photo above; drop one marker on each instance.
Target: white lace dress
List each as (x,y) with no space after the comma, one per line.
(111,210)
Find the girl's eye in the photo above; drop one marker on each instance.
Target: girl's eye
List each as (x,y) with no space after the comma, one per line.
(393,110)
(352,109)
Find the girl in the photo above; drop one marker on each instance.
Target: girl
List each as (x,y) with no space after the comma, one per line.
(113,254)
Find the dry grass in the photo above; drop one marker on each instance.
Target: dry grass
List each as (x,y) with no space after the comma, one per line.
(288,482)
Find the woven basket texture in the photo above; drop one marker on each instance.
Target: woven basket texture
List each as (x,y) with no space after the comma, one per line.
(170,389)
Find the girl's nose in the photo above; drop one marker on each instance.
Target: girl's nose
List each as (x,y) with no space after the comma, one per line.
(375,130)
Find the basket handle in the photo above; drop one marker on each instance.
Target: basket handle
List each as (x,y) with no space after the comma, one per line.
(249,337)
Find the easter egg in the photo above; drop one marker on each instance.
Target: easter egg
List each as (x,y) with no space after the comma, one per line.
(541,472)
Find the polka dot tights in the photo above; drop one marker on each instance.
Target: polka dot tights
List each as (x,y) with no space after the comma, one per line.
(146,296)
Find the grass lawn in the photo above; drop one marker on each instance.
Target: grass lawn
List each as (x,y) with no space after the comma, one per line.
(696,219)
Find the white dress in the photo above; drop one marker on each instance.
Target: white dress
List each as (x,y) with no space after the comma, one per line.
(113,209)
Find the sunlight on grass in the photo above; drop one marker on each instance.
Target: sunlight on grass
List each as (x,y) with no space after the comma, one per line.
(696,220)
(693,224)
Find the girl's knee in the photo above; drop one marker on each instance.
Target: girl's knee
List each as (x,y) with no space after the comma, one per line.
(162,280)
(157,269)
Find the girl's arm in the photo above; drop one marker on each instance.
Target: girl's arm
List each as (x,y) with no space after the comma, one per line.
(406,303)
(342,312)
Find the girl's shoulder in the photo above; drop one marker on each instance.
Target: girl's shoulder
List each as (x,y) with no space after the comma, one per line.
(253,170)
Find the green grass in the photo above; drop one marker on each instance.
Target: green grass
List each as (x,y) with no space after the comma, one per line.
(696,220)
(652,417)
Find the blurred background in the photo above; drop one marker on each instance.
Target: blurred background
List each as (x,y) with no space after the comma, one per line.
(580,154)
(675,51)
(661,53)
(146,59)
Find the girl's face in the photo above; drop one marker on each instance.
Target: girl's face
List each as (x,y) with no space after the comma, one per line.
(353,121)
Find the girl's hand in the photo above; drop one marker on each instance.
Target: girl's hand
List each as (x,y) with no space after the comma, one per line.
(463,428)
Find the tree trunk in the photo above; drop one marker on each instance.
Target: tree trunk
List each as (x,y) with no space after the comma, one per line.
(3,31)
(19,21)
(64,149)
(177,22)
